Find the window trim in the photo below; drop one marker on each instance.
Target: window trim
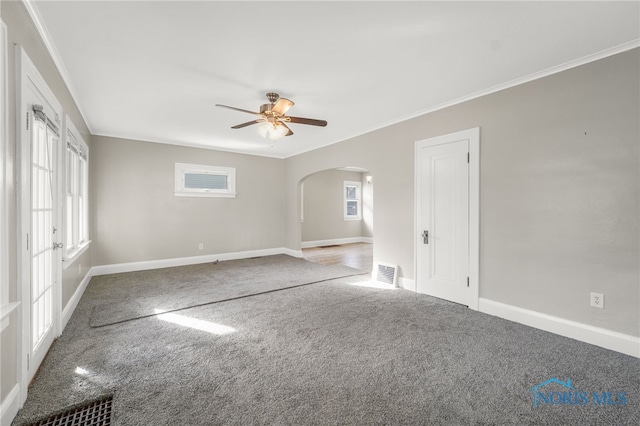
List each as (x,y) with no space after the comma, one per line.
(5,307)
(181,169)
(358,199)
(302,202)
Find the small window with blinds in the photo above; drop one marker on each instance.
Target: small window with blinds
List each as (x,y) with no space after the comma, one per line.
(196,180)
(352,200)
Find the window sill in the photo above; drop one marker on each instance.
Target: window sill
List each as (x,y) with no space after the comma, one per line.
(74,255)
(5,311)
(352,218)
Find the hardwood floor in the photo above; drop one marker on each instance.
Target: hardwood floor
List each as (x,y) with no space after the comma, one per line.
(357,255)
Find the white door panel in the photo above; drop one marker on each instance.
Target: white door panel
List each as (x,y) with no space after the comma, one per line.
(443,220)
(43,145)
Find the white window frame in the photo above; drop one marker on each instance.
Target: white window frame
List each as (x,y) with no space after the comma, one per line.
(76,194)
(358,199)
(181,169)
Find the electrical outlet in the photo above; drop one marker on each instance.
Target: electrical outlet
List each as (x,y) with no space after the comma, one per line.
(201,246)
(597,300)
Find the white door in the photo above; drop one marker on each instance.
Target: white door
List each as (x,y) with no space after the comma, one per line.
(39,195)
(44,146)
(442,219)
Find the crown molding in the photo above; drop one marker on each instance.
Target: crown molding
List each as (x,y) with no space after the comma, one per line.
(497,88)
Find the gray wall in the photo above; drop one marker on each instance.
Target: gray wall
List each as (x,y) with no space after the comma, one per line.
(21,31)
(559,190)
(324,207)
(138,218)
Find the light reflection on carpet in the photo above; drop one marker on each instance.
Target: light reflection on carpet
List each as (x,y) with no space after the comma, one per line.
(196,324)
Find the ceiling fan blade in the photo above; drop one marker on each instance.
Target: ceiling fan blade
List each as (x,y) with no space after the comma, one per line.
(248,123)
(289,132)
(282,106)
(237,109)
(310,121)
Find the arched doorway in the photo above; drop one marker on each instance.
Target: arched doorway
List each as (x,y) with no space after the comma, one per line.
(336,217)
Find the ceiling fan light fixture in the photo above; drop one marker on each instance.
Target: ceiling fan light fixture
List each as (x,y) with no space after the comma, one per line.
(263,129)
(278,132)
(273,131)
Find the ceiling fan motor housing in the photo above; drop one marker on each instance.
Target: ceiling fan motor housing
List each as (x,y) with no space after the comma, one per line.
(273,97)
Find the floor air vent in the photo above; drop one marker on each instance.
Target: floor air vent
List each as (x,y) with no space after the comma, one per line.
(96,413)
(386,273)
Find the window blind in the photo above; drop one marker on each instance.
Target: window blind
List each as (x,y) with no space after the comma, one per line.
(205,181)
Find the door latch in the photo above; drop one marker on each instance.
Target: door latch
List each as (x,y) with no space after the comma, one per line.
(425,237)
(57,245)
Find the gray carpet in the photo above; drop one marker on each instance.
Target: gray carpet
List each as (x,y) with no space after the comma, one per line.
(328,353)
(133,295)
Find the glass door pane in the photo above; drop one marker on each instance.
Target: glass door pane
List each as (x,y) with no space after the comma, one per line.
(42,144)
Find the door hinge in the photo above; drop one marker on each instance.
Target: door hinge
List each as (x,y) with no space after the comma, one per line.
(27,242)
(467,281)
(27,361)
(468,157)
(27,120)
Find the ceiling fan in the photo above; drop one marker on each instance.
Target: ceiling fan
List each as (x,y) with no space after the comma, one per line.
(274,117)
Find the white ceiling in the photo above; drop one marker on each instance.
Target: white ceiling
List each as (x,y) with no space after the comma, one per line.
(154,70)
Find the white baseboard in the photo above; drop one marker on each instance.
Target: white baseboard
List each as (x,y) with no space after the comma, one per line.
(336,241)
(73,302)
(10,406)
(407,284)
(194,260)
(292,253)
(619,342)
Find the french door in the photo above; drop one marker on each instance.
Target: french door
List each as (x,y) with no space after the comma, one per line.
(38,154)
(44,146)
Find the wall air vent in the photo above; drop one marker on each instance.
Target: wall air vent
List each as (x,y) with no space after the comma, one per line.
(386,273)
